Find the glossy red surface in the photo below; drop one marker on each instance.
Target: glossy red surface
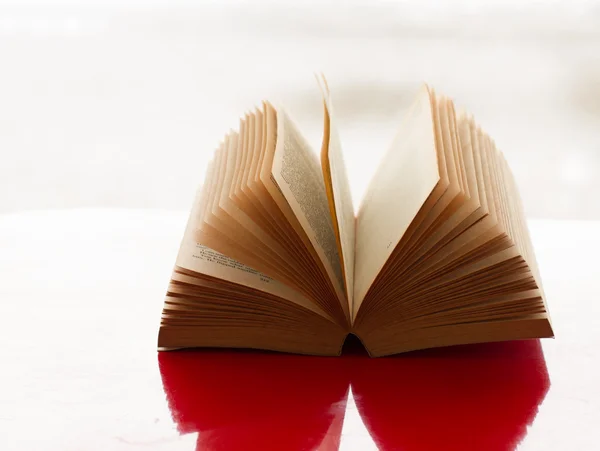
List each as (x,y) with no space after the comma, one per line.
(478,397)
(81,294)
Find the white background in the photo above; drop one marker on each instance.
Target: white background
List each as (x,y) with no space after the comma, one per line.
(120,104)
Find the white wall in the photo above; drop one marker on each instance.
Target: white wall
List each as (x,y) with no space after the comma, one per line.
(121,105)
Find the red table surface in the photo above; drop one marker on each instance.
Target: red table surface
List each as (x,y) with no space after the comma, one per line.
(81,293)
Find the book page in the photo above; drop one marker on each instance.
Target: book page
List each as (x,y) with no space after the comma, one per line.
(338,192)
(297,172)
(201,259)
(404,179)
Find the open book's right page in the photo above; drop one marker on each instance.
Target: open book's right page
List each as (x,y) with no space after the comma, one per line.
(404,179)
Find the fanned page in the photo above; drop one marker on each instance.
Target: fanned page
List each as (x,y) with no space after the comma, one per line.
(200,259)
(216,301)
(460,267)
(405,178)
(298,175)
(337,186)
(250,218)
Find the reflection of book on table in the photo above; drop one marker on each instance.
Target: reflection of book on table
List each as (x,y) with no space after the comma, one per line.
(273,256)
(467,398)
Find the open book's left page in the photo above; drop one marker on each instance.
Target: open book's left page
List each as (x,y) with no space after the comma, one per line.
(195,257)
(337,186)
(298,175)
(215,301)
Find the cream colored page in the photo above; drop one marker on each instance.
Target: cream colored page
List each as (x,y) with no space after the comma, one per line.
(297,171)
(201,259)
(404,179)
(342,197)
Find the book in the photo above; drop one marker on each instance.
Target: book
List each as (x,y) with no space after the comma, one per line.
(274,257)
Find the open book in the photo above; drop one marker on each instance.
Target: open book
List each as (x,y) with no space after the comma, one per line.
(273,256)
